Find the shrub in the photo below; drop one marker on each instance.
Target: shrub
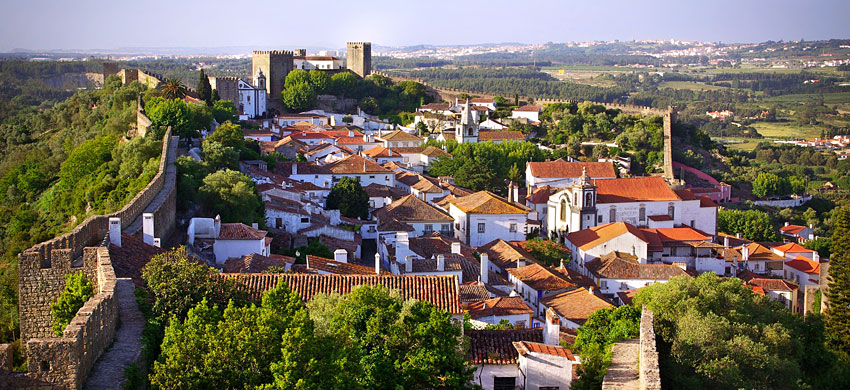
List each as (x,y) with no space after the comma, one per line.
(77,291)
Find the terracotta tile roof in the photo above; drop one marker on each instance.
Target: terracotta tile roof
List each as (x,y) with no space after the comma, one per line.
(505,254)
(525,347)
(685,194)
(441,290)
(660,218)
(434,244)
(353,140)
(669,236)
(576,305)
(429,151)
(616,265)
(575,277)
(436,106)
(804,264)
(376,190)
(410,208)
(540,195)
(394,225)
(309,135)
(633,189)
(496,346)
(500,135)
(129,259)
(772,284)
(407,178)
(627,296)
(528,108)
(380,151)
(541,278)
(485,202)
(592,237)
(792,247)
(705,201)
(399,135)
(473,292)
(758,252)
(792,229)
(335,267)
(240,231)
(255,263)
(355,164)
(499,306)
(563,168)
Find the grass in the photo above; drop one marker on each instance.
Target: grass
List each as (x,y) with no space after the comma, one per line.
(787,130)
(745,144)
(828,98)
(690,85)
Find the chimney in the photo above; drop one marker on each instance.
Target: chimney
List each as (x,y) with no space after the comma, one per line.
(485,268)
(513,294)
(255,225)
(147,228)
(217,225)
(552,330)
(591,289)
(787,223)
(408,264)
(157,242)
(294,168)
(561,266)
(350,133)
(441,262)
(725,241)
(511,198)
(681,264)
(456,248)
(341,256)
(520,263)
(377,263)
(816,257)
(402,245)
(745,253)
(738,235)
(115,231)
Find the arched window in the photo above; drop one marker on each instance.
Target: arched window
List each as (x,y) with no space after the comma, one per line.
(563,210)
(588,200)
(642,213)
(612,215)
(671,211)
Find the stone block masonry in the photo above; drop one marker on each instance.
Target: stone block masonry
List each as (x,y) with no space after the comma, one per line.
(634,362)
(649,370)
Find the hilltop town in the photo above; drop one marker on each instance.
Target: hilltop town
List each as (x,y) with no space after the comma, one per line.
(319,223)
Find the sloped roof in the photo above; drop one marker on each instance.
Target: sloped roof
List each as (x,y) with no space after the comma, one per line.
(499,306)
(616,265)
(758,252)
(473,292)
(500,135)
(576,304)
(592,237)
(410,208)
(240,231)
(496,346)
(804,264)
(255,263)
(355,164)
(441,290)
(434,244)
(563,168)
(540,195)
(541,278)
(129,258)
(399,135)
(436,106)
(633,189)
(505,254)
(380,151)
(528,108)
(627,296)
(792,247)
(676,234)
(336,267)
(525,347)
(792,229)
(378,190)
(772,284)
(485,202)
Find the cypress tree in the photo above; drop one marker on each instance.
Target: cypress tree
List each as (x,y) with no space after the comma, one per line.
(204,88)
(837,315)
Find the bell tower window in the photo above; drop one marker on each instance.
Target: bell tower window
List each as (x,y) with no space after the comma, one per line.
(563,210)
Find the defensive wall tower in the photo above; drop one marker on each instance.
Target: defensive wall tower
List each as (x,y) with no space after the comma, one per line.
(275,64)
(358,58)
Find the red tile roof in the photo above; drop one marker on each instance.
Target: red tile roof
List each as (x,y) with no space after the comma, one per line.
(528,108)
(256,263)
(412,209)
(595,236)
(505,254)
(485,202)
(129,259)
(496,346)
(633,189)
(540,195)
(576,305)
(473,292)
(660,218)
(563,168)
(500,135)
(240,231)
(541,278)
(399,135)
(804,264)
(336,267)
(705,201)
(627,296)
(499,306)
(482,100)
(616,265)
(792,229)
(525,347)
(355,164)
(792,247)
(380,151)
(441,290)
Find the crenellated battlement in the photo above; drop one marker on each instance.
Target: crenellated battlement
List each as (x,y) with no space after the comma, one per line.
(273,52)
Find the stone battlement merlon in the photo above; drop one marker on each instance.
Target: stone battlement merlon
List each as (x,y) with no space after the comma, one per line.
(273,52)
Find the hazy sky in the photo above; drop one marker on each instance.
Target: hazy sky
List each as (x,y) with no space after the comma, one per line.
(91,24)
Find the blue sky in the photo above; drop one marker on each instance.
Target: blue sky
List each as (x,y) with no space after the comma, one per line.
(93,24)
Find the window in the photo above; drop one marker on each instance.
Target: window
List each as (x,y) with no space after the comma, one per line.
(305,220)
(603,284)
(372,177)
(481,227)
(599,219)
(446,228)
(642,213)
(513,228)
(504,383)
(457,225)
(279,222)
(588,200)
(612,215)
(671,211)
(249,99)
(371,228)
(563,210)
(429,228)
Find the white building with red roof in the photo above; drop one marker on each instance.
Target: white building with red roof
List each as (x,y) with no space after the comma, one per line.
(798,233)
(227,240)
(561,173)
(530,112)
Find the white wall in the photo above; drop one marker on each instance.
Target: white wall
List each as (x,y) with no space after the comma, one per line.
(484,374)
(546,370)
(291,222)
(515,319)
(495,226)
(613,286)
(226,249)
(530,115)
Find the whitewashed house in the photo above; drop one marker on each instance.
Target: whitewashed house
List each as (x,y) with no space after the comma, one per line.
(561,173)
(483,217)
(616,272)
(228,240)
(530,112)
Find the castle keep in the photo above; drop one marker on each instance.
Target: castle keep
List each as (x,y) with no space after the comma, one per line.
(358,58)
(275,65)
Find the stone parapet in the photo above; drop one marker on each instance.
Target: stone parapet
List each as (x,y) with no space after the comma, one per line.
(649,370)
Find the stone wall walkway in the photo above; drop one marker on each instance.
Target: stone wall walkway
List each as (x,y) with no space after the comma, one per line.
(623,372)
(108,371)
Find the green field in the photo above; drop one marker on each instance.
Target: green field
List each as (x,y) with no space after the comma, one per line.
(690,85)
(779,130)
(828,98)
(745,144)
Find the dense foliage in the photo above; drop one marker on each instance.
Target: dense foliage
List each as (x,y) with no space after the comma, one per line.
(349,198)
(233,196)
(550,253)
(595,338)
(77,291)
(715,333)
(838,288)
(751,224)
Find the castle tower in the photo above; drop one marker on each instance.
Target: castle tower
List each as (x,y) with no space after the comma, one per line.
(584,203)
(358,58)
(275,65)
(467,130)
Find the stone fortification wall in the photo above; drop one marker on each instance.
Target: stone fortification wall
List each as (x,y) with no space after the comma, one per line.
(649,371)
(227,88)
(358,58)
(276,65)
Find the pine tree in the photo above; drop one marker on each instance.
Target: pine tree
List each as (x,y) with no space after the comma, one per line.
(837,321)
(205,89)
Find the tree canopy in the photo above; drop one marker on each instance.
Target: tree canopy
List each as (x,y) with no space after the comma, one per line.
(838,287)
(233,196)
(349,198)
(752,224)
